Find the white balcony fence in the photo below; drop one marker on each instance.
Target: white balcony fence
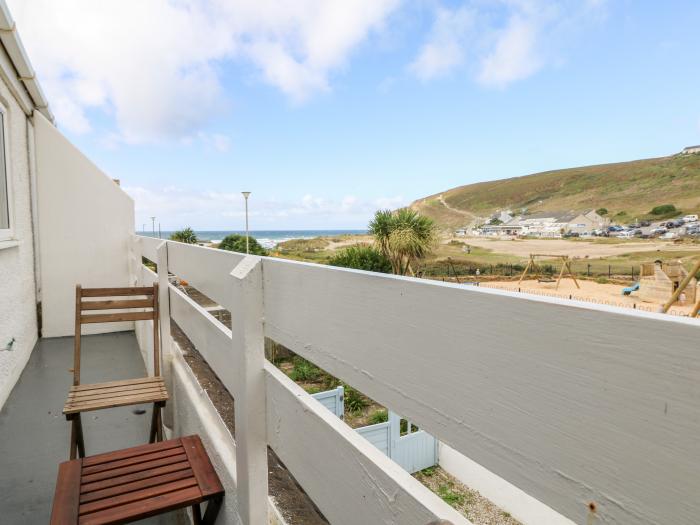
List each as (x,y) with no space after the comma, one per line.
(572,403)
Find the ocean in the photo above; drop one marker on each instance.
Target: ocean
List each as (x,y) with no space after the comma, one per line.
(267,238)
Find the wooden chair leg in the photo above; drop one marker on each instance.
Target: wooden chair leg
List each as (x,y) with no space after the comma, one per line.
(73,437)
(213,506)
(196,514)
(77,445)
(159,428)
(154,424)
(81,443)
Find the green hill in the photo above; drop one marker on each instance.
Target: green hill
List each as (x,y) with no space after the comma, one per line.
(627,190)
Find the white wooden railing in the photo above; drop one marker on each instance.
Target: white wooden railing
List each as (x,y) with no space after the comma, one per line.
(573,403)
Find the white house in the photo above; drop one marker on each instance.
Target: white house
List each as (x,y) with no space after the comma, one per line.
(53,202)
(691,149)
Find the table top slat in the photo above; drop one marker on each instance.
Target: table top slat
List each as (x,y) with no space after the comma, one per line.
(144,508)
(137,495)
(123,488)
(66,501)
(139,450)
(203,470)
(134,468)
(86,488)
(110,465)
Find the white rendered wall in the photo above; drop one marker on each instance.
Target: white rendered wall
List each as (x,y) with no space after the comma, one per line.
(86,223)
(17,286)
(523,507)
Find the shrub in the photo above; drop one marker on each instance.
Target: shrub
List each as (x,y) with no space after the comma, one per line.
(236,243)
(380,416)
(663,209)
(354,400)
(361,257)
(304,370)
(186,235)
(602,211)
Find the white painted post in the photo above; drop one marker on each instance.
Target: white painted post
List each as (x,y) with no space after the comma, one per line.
(164,321)
(249,397)
(394,433)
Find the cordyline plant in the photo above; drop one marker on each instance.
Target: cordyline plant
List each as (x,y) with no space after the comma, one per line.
(403,236)
(186,235)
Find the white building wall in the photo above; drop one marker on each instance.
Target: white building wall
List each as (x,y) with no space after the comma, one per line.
(17,286)
(86,223)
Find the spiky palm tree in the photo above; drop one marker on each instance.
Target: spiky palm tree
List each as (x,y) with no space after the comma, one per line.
(403,236)
(186,235)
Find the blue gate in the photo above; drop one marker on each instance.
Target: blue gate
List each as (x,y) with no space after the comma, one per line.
(414,450)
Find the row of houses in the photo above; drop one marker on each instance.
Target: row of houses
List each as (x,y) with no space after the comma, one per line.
(543,224)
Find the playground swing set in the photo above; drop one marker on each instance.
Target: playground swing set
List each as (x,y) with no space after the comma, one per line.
(535,268)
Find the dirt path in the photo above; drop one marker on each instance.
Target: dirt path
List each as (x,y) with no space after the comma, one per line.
(524,247)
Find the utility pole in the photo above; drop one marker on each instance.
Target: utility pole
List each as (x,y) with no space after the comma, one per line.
(246,194)
(153,221)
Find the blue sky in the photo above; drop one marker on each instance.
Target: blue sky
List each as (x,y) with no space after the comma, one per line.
(329,109)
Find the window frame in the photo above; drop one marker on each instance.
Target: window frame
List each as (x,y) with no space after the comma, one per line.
(7,234)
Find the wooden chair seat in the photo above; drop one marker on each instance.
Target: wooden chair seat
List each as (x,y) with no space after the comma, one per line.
(135,483)
(97,396)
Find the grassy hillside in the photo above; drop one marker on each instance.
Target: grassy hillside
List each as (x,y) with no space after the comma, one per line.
(627,189)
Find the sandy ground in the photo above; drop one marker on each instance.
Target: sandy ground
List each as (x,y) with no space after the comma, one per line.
(592,291)
(335,245)
(582,249)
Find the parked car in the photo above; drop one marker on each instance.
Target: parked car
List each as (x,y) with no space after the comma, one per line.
(669,235)
(660,230)
(568,235)
(615,228)
(690,218)
(645,224)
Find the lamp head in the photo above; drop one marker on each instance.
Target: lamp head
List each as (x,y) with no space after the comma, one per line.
(246,194)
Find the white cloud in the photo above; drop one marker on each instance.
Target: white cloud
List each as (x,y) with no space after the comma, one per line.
(177,207)
(444,49)
(154,66)
(505,40)
(515,55)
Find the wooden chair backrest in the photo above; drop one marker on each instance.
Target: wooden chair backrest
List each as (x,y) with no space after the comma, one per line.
(148,310)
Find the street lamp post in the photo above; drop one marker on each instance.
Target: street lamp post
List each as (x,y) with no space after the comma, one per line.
(246,194)
(153,220)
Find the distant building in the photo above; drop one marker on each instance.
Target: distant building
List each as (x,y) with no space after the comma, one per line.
(586,222)
(691,149)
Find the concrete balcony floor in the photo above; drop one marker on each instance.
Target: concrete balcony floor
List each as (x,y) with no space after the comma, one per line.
(34,434)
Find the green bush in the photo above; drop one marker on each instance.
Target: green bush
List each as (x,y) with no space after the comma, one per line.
(236,243)
(666,210)
(304,370)
(380,416)
(602,211)
(186,235)
(361,257)
(354,401)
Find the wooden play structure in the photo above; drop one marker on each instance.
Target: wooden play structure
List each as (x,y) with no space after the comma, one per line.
(534,267)
(666,282)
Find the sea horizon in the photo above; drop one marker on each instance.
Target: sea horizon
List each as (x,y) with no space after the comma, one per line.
(266,238)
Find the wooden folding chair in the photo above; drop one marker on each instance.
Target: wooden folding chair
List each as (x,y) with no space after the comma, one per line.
(98,396)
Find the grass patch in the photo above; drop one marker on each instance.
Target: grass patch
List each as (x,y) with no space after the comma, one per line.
(379,416)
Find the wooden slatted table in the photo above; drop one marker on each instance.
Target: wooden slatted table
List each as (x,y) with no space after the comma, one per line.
(135,483)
